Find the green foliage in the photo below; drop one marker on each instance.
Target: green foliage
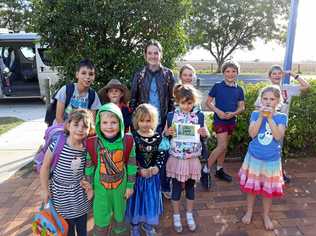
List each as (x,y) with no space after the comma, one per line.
(300,135)
(223,26)
(111,33)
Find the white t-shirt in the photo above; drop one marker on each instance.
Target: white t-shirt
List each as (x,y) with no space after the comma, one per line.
(77,101)
(288,91)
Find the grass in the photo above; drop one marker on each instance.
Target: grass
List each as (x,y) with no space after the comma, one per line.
(7,123)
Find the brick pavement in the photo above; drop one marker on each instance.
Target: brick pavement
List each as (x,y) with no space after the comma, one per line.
(218,211)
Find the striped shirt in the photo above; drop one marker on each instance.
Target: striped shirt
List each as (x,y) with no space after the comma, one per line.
(69,198)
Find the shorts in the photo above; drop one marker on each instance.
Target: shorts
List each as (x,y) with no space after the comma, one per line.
(224,128)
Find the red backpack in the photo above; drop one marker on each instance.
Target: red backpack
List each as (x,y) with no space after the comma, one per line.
(92,145)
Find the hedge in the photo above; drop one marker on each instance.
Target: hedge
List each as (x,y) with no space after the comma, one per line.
(300,137)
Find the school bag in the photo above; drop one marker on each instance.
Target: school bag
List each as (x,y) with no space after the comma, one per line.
(52,133)
(51,109)
(92,145)
(47,222)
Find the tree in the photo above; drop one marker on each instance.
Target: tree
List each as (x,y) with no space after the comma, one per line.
(222,26)
(15,15)
(111,33)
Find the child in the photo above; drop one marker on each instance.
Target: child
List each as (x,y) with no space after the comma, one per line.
(276,74)
(229,102)
(187,75)
(82,95)
(261,171)
(183,165)
(67,189)
(145,206)
(117,93)
(112,181)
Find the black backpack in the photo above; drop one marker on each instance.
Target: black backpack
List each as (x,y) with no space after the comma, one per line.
(51,109)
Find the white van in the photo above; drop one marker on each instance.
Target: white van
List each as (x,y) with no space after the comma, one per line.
(28,64)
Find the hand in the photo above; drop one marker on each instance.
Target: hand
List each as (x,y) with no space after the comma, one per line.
(170,131)
(45,196)
(222,115)
(202,131)
(88,188)
(154,170)
(145,172)
(230,115)
(128,193)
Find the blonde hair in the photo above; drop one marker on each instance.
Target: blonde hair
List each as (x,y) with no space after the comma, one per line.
(78,115)
(188,67)
(144,110)
(275,90)
(186,92)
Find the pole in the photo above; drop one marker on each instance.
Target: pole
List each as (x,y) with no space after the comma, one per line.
(290,40)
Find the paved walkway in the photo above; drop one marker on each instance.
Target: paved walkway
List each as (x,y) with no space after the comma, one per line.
(218,212)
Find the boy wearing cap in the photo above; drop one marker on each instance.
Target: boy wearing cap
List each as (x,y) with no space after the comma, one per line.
(116,92)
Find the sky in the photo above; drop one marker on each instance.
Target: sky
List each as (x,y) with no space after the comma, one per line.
(304,45)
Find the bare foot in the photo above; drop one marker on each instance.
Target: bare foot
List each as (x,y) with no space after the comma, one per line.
(247,218)
(267,222)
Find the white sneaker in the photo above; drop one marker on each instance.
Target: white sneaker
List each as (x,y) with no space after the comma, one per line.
(191,222)
(177,223)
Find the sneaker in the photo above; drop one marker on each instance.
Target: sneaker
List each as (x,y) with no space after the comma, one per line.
(167,195)
(177,223)
(135,230)
(223,176)
(148,229)
(191,222)
(286,178)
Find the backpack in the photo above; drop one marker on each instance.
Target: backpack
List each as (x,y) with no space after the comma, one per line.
(52,133)
(48,222)
(92,145)
(70,88)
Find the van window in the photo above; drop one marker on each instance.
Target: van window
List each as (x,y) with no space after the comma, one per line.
(28,52)
(44,54)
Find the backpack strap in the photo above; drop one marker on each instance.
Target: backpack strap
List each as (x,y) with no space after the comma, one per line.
(128,145)
(91,97)
(92,149)
(70,89)
(61,140)
(200,116)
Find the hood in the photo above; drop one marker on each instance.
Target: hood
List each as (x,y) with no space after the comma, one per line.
(111,107)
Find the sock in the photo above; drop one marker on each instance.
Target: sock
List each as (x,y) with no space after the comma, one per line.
(218,167)
(176,220)
(190,219)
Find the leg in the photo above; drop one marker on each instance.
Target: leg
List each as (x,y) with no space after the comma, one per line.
(175,196)
(250,203)
(189,191)
(81,225)
(101,231)
(71,227)
(164,180)
(221,157)
(267,202)
(102,212)
(220,148)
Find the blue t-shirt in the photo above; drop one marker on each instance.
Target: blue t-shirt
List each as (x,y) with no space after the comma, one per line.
(154,94)
(264,146)
(226,99)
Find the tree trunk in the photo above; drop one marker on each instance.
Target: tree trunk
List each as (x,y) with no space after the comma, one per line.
(219,62)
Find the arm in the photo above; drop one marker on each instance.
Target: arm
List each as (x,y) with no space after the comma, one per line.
(89,169)
(254,126)
(277,130)
(240,108)
(209,103)
(44,175)
(171,97)
(304,85)
(60,109)
(131,169)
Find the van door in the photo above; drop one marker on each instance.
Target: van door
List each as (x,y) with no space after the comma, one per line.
(44,70)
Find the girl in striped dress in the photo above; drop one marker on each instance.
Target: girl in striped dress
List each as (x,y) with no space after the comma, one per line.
(66,187)
(261,171)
